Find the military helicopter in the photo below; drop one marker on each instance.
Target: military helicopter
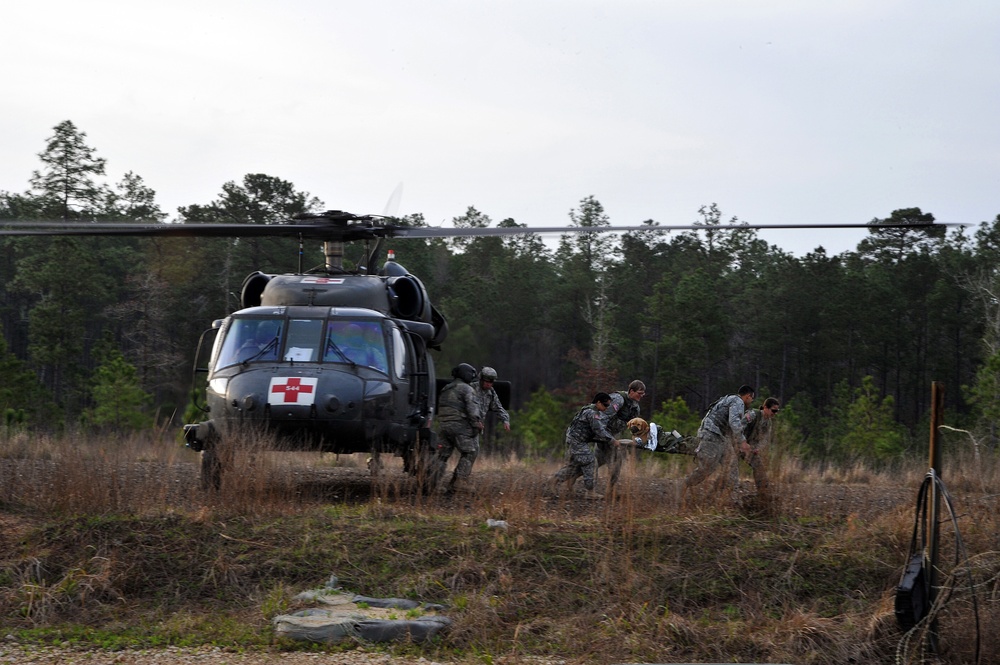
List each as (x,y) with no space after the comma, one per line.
(327,359)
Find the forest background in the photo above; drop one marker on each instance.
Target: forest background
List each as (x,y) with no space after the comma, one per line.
(100,333)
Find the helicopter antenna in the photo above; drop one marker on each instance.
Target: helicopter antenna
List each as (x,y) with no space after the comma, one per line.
(301,251)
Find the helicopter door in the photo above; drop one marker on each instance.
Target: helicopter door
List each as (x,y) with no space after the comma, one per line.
(414,369)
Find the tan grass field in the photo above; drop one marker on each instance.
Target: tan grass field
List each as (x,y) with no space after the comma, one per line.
(110,544)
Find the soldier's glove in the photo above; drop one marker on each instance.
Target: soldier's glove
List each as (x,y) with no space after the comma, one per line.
(639,428)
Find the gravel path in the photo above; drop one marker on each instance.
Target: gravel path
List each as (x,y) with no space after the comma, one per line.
(23,655)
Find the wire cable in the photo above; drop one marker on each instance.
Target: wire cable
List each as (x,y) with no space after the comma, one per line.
(921,631)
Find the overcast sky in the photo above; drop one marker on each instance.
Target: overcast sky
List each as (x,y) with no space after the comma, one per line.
(780,111)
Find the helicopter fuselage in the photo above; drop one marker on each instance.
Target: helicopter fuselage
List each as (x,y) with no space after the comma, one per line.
(328,362)
(334,379)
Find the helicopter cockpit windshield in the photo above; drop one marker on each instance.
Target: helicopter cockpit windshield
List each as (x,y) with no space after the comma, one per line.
(356,343)
(251,340)
(303,340)
(349,341)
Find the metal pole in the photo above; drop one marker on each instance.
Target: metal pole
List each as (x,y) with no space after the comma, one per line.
(937,416)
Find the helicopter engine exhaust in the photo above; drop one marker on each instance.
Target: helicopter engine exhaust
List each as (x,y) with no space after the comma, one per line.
(253,288)
(407,298)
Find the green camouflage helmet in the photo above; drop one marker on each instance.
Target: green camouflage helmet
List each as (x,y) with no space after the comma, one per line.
(488,374)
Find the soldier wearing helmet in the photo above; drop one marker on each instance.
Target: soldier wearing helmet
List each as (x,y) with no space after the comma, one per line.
(488,398)
(461,421)
(624,406)
(721,438)
(586,429)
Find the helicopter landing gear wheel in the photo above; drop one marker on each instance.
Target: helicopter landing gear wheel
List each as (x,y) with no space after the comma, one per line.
(211,469)
(422,464)
(375,464)
(412,460)
(216,459)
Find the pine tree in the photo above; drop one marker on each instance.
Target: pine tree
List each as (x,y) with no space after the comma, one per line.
(67,180)
(23,401)
(542,423)
(119,401)
(872,434)
(65,283)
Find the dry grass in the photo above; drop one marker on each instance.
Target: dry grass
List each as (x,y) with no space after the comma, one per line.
(116,535)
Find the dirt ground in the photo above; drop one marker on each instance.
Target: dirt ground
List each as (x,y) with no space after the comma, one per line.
(13,654)
(650,493)
(496,483)
(312,479)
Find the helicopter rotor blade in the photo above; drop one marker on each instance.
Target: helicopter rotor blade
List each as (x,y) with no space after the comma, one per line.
(333,226)
(392,205)
(337,226)
(443,232)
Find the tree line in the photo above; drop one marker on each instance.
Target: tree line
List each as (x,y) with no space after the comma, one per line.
(102,331)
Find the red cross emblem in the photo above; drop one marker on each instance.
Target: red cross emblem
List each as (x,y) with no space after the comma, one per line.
(322,280)
(292,390)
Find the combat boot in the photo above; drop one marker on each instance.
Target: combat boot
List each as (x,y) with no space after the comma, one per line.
(458,485)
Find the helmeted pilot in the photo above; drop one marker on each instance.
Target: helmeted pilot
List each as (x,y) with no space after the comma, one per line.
(488,398)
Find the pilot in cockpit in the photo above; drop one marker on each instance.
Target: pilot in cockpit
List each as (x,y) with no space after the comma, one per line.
(261,345)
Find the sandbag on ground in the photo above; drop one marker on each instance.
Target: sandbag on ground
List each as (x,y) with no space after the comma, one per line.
(412,630)
(351,617)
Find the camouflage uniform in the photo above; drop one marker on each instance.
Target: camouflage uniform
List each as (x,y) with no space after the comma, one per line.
(758,430)
(587,426)
(615,419)
(490,401)
(720,433)
(459,416)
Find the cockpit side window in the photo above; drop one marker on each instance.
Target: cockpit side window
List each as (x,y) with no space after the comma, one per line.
(398,353)
(356,342)
(251,340)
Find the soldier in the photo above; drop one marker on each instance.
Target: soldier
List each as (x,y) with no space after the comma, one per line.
(721,436)
(623,408)
(461,421)
(587,426)
(488,398)
(758,427)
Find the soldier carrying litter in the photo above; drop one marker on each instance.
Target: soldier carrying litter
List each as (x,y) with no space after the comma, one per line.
(623,407)
(586,428)
(758,427)
(721,438)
